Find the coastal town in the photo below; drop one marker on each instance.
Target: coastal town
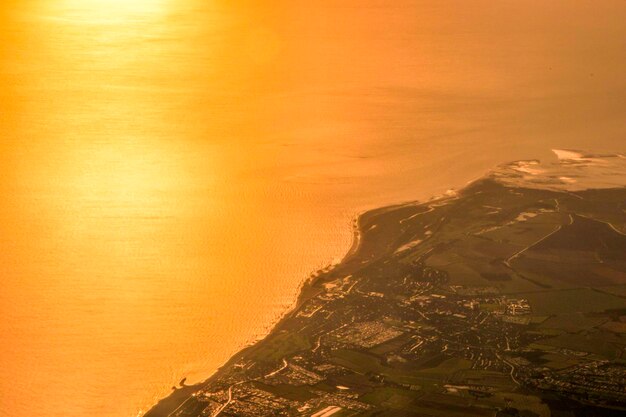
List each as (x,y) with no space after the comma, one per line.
(442,314)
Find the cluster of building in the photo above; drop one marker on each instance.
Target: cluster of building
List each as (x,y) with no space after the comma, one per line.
(364,334)
(594,381)
(414,317)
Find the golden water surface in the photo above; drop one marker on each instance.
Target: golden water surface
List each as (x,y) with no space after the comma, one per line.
(171,170)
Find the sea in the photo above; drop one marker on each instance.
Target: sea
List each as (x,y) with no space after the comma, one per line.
(171,171)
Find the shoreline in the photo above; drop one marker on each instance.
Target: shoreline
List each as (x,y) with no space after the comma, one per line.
(173,401)
(306,289)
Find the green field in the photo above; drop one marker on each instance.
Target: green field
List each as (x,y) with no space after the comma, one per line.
(580,300)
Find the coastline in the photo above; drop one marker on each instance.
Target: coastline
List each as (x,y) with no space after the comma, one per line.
(170,403)
(306,290)
(363,225)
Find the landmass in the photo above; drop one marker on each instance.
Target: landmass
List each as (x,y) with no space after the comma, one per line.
(506,298)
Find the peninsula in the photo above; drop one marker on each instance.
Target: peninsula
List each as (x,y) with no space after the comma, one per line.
(506,298)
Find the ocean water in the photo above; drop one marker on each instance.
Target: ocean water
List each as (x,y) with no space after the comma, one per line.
(172,170)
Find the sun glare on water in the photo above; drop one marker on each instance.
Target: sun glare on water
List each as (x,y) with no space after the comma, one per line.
(112,11)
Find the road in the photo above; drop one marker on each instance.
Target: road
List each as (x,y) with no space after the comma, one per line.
(230,389)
